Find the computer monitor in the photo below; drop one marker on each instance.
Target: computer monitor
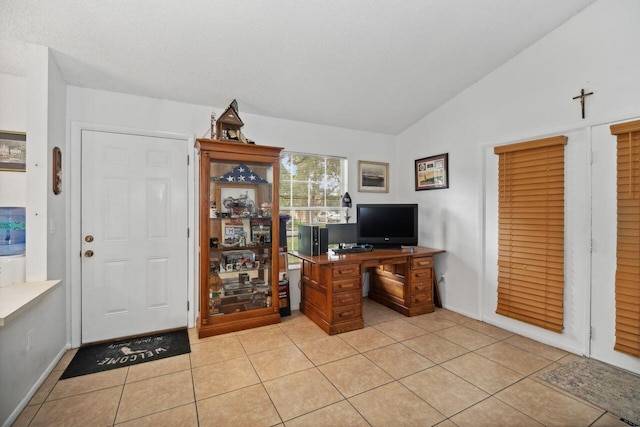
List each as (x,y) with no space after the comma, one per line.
(387,225)
(342,234)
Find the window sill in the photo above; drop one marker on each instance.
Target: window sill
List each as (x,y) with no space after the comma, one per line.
(14,299)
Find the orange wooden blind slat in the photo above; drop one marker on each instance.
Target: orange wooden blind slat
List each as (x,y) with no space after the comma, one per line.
(538,143)
(627,286)
(531,232)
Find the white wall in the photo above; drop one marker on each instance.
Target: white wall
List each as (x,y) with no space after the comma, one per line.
(527,98)
(37,160)
(23,370)
(94,106)
(56,229)
(13,117)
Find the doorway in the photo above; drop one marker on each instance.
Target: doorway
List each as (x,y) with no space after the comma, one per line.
(603,262)
(133,234)
(576,249)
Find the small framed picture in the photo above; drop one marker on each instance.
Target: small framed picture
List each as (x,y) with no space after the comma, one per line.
(373,177)
(260,231)
(235,233)
(432,172)
(13,151)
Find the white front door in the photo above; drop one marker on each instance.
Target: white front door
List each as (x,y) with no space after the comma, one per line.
(603,262)
(134,234)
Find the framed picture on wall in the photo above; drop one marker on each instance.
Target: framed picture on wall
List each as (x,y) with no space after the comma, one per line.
(13,151)
(373,177)
(432,172)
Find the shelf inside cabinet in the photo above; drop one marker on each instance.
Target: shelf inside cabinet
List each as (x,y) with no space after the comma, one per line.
(230,304)
(240,232)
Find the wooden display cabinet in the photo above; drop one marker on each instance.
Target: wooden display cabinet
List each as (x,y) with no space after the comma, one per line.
(238,236)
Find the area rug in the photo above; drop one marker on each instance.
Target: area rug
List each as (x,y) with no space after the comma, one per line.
(117,354)
(609,388)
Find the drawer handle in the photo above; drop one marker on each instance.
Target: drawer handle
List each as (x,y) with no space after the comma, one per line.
(346,313)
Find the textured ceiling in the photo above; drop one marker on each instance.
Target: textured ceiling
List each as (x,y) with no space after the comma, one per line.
(374,65)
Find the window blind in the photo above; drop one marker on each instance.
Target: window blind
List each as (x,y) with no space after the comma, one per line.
(628,238)
(531,231)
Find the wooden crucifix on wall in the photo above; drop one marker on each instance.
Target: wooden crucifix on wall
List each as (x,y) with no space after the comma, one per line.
(582,96)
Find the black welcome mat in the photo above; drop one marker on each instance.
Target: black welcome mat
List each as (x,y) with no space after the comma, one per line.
(117,354)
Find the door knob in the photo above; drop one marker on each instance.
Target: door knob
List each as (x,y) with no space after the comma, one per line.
(88,254)
(89,238)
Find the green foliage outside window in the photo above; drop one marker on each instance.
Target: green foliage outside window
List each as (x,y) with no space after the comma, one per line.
(311,187)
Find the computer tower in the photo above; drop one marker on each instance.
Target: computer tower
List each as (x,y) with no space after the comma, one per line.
(312,240)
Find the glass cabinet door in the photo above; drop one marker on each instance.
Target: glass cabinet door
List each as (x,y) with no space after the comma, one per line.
(240,237)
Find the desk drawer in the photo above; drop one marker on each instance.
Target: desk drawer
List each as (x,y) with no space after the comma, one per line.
(421,298)
(421,276)
(347,285)
(417,288)
(347,313)
(346,298)
(421,262)
(346,270)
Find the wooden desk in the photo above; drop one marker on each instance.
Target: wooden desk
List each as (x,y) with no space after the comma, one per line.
(331,285)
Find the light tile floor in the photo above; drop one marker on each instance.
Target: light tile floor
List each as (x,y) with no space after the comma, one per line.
(439,368)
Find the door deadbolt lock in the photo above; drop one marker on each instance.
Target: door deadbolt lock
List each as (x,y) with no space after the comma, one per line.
(88,254)
(89,238)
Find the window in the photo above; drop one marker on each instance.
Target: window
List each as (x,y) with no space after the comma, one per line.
(531,232)
(628,239)
(311,188)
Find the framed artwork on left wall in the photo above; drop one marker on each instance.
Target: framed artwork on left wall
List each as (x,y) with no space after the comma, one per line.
(13,151)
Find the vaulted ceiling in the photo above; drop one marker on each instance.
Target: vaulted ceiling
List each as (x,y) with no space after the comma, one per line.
(373,65)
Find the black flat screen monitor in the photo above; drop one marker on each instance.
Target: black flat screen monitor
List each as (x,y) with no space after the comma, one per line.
(342,233)
(387,225)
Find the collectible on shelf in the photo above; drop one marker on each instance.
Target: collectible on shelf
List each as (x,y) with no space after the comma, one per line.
(228,126)
(260,231)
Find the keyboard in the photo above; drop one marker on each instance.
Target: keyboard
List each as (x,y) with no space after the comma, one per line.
(353,250)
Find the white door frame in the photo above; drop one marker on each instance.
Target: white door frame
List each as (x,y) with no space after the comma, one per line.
(577,257)
(603,264)
(74,177)
(486,275)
